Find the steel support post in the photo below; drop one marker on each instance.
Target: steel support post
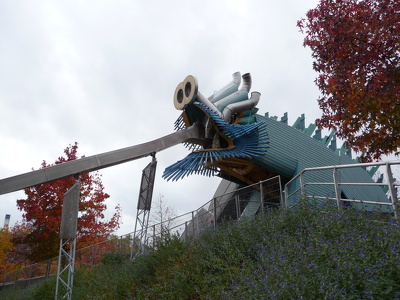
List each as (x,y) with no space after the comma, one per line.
(48,266)
(302,185)
(392,189)
(337,188)
(280,192)
(215,212)
(193,225)
(154,236)
(262,197)
(197,223)
(237,202)
(286,196)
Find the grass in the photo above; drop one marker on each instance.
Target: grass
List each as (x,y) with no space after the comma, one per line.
(304,253)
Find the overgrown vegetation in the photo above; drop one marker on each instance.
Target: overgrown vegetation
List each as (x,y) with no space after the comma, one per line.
(305,253)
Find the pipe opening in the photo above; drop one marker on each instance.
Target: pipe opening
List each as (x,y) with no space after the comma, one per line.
(179,96)
(188,89)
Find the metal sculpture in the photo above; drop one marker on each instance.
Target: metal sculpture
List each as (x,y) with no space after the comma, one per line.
(227,122)
(236,140)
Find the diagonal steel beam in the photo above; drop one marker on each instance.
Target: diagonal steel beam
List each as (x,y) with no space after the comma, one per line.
(99,161)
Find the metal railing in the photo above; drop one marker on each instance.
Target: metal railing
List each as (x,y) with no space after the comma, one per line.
(235,205)
(296,187)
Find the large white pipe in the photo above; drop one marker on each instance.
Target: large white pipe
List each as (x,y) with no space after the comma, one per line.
(240,95)
(188,91)
(241,106)
(185,92)
(246,86)
(228,89)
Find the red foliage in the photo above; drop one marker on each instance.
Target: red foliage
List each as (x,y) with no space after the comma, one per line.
(13,254)
(356,47)
(43,206)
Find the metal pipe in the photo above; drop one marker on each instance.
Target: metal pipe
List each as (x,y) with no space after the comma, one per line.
(302,185)
(190,89)
(355,165)
(234,108)
(246,86)
(240,95)
(337,188)
(237,202)
(262,197)
(286,192)
(215,211)
(392,190)
(228,89)
(193,225)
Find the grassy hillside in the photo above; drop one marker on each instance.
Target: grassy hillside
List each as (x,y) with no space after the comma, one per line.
(304,253)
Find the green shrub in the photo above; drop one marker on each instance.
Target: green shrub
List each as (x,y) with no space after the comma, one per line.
(112,259)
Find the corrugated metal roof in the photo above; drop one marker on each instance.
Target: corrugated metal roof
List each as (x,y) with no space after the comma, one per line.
(292,150)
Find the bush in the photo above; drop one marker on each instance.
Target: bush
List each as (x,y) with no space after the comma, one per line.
(112,259)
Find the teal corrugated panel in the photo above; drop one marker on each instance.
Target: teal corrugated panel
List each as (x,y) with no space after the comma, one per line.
(292,151)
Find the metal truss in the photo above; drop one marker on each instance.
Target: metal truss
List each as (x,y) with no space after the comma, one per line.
(66,262)
(143,209)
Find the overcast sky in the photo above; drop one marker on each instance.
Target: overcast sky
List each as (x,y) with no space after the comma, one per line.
(103,74)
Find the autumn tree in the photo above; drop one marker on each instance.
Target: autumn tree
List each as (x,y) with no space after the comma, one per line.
(162,216)
(43,205)
(5,248)
(13,255)
(356,50)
